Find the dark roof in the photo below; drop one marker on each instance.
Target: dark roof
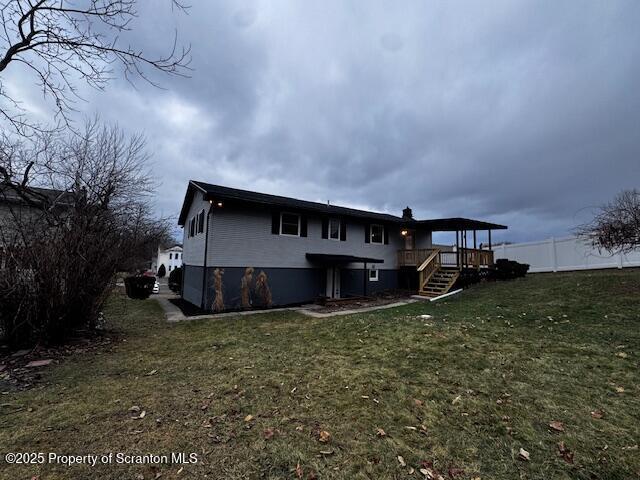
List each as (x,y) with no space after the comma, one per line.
(35,195)
(456,223)
(220,193)
(332,259)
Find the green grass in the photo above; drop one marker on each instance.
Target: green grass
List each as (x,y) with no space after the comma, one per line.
(492,369)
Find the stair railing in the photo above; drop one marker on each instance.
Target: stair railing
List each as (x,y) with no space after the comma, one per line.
(427,268)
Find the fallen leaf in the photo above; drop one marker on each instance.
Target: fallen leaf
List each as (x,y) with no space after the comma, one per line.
(152,372)
(326,452)
(620,389)
(564,451)
(556,426)
(38,363)
(597,414)
(621,355)
(455,472)
(411,470)
(419,403)
(180,470)
(456,400)
(299,470)
(523,455)
(248,418)
(324,436)
(268,433)
(411,428)
(380,432)
(401,461)
(299,428)
(135,408)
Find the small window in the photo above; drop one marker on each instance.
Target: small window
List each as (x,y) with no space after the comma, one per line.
(192,227)
(334,229)
(169,267)
(201,222)
(290,224)
(377,234)
(170,256)
(373,275)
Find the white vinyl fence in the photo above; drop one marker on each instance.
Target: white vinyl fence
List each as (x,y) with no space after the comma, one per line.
(564,254)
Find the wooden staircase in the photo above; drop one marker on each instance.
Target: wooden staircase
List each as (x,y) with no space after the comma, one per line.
(436,276)
(440,282)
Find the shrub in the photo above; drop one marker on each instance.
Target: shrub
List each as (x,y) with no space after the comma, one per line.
(175,280)
(162,271)
(507,270)
(139,287)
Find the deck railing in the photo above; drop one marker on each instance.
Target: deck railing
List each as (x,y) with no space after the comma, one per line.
(465,257)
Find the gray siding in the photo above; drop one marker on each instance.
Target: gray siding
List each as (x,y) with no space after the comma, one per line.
(193,247)
(243,238)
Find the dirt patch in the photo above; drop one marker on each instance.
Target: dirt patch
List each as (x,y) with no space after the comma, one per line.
(21,369)
(363,302)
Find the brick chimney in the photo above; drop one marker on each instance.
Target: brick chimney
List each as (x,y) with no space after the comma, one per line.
(407,214)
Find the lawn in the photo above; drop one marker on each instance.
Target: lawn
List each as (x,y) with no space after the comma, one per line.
(281,395)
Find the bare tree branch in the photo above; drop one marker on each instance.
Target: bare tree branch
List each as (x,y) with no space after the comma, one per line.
(64,41)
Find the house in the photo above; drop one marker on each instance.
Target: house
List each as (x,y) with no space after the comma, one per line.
(170,257)
(24,211)
(244,249)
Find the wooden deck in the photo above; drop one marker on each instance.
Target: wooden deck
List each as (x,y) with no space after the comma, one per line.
(438,270)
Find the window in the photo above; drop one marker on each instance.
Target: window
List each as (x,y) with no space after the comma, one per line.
(170,256)
(290,224)
(373,275)
(377,234)
(169,267)
(334,229)
(192,227)
(201,222)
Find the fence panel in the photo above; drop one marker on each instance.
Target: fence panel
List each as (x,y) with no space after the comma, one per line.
(564,254)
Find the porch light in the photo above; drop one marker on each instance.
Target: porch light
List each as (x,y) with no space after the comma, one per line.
(404,233)
(219,204)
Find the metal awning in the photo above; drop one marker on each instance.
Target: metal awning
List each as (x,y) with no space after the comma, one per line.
(328,258)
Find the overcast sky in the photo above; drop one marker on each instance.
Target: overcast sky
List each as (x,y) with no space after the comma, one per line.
(518,112)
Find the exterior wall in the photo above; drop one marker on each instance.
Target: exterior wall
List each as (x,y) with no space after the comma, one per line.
(243,238)
(192,284)
(352,282)
(564,254)
(193,247)
(423,239)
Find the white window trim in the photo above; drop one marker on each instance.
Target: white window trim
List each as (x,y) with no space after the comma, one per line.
(299,224)
(381,242)
(376,276)
(339,229)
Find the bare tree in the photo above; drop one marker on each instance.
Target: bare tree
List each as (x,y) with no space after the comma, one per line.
(62,246)
(616,225)
(63,41)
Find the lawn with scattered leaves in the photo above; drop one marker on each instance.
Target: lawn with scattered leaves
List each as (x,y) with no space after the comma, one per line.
(533,379)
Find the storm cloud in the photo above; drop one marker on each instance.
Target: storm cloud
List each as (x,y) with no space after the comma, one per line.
(518,112)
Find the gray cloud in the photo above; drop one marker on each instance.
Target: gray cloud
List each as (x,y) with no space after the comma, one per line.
(518,112)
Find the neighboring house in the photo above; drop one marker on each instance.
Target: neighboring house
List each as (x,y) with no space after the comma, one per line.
(245,249)
(170,257)
(27,210)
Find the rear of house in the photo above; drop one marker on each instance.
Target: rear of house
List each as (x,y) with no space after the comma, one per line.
(245,249)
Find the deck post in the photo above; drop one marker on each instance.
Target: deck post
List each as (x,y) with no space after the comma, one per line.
(457,250)
(474,240)
(489,239)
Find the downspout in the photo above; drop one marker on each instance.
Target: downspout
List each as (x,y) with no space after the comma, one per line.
(204,260)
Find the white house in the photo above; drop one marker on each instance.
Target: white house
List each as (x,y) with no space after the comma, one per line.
(170,257)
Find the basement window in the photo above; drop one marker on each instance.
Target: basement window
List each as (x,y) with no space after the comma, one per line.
(373,275)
